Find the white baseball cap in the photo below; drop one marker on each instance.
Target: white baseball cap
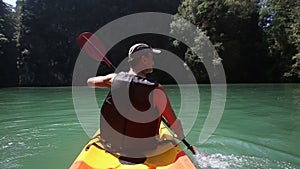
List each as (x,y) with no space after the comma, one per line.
(140,47)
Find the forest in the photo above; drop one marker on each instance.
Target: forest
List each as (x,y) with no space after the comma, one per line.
(258,41)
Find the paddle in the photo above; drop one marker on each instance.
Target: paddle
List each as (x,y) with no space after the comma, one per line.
(187,144)
(93,47)
(96,50)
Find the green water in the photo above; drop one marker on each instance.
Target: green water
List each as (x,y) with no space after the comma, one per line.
(260,128)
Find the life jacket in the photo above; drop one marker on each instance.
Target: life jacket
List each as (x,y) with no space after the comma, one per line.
(128,120)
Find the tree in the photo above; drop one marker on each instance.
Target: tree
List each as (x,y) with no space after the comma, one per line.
(48,31)
(8,52)
(232,26)
(280,20)
(294,38)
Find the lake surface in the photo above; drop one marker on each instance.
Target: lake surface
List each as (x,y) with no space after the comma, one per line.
(260,127)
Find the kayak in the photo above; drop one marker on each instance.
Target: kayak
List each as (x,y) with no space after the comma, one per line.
(94,156)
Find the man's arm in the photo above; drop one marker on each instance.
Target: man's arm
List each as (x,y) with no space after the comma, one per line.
(163,105)
(101,81)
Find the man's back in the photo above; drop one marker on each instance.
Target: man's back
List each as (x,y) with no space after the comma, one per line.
(129,121)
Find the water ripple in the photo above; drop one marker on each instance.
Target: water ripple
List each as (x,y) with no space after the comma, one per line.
(220,161)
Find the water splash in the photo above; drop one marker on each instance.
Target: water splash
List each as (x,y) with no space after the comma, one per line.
(220,161)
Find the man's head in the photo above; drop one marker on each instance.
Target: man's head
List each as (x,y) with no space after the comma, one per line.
(140,51)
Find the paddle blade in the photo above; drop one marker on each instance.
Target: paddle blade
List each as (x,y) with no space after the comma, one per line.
(93,47)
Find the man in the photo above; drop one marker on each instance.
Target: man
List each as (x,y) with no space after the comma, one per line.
(131,113)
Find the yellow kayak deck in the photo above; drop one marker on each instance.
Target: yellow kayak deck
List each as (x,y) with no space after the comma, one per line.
(93,156)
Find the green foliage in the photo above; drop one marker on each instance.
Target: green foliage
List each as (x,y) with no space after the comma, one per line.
(281,22)
(201,50)
(232,27)
(256,40)
(8,51)
(48,30)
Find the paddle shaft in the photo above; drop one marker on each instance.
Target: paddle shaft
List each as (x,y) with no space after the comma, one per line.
(83,38)
(187,144)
